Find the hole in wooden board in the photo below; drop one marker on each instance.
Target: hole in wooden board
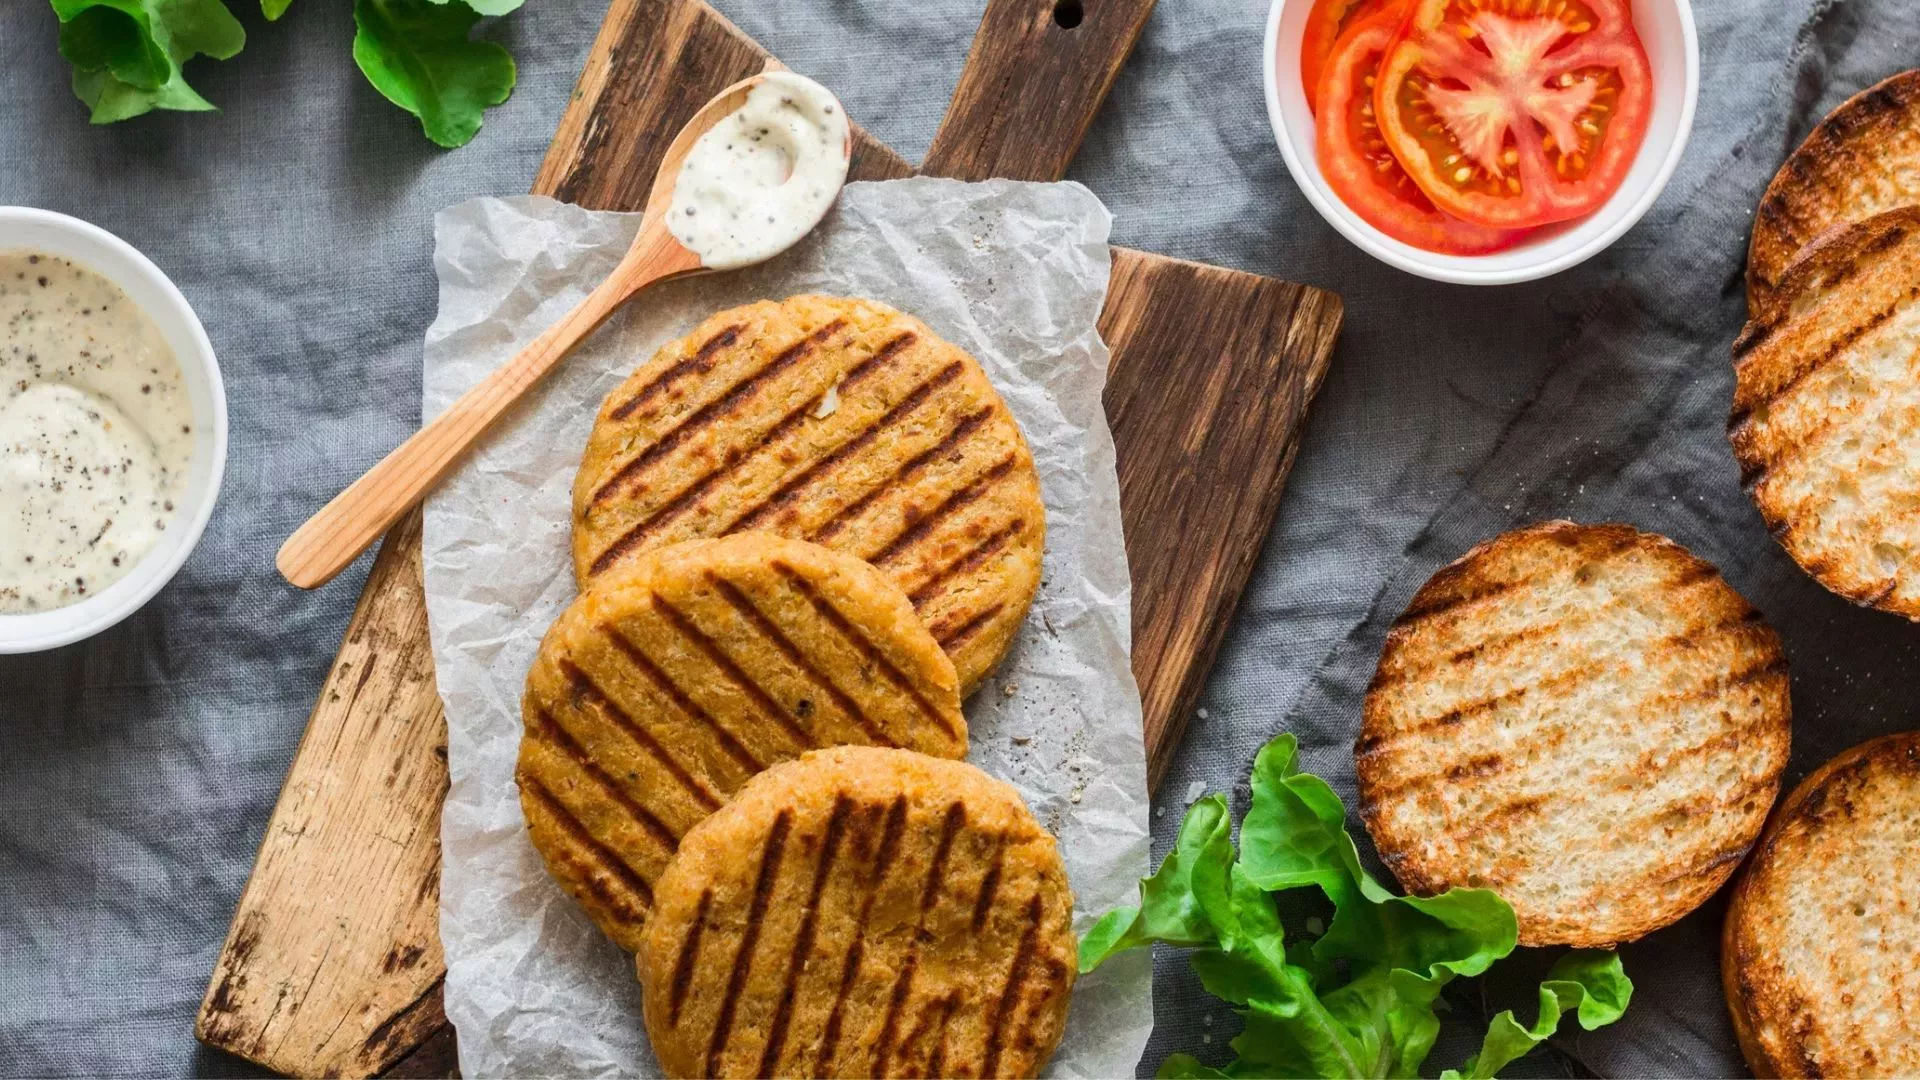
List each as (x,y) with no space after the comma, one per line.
(1067,14)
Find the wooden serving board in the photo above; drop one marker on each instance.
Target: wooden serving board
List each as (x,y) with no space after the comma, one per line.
(333,963)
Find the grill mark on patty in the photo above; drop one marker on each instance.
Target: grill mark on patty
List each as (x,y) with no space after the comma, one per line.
(954,820)
(905,472)
(560,739)
(867,649)
(794,487)
(1017,973)
(715,655)
(989,884)
(876,875)
(709,414)
(582,840)
(768,629)
(770,858)
(683,962)
(701,362)
(584,686)
(803,938)
(967,563)
(671,690)
(933,1020)
(690,496)
(952,636)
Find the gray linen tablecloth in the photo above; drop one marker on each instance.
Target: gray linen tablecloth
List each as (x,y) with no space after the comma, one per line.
(137,770)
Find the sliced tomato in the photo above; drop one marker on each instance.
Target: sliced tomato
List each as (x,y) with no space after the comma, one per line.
(1325,23)
(1515,113)
(1361,169)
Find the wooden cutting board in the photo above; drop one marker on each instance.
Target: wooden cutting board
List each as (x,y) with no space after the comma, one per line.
(333,963)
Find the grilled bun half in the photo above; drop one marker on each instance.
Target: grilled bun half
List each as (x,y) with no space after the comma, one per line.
(1826,412)
(1864,158)
(1821,953)
(1584,718)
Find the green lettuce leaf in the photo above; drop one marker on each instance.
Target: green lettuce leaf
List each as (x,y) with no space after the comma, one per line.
(1359,999)
(273,9)
(420,55)
(1589,981)
(1168,910)
(128,55)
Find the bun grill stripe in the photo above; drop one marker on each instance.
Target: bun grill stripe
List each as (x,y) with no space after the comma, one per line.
(951,635)
(876,874)
(954,820)
(683,961)
(796,487)
(952,504)
(1017,974)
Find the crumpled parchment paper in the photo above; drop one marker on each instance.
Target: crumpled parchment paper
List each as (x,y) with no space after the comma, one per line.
(1014,273)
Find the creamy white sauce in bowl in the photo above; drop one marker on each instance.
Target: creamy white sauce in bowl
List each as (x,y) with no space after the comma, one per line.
(762,177)
(113,429)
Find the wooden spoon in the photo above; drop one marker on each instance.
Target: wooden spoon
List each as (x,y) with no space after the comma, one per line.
(363,512)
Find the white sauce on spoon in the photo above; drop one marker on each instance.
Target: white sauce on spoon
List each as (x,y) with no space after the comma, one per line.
(96,433)
(763,176)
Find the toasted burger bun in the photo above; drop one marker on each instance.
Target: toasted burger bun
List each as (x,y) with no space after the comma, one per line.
(1826,412)
(1863,159)
(1821,953)
(1584,718)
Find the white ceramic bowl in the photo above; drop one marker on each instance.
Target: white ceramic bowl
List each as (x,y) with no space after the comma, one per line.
(112,257)
(1673,53)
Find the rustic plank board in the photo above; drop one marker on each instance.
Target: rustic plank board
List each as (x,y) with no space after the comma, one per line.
(997,125)
(1212,371)
(333,962)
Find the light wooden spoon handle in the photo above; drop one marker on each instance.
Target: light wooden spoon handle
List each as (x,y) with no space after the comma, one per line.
(362,513)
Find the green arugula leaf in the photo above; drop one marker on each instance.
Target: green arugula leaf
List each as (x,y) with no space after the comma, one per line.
(127,55)
(419,54)
(1592,982)
(273,9)
(1359,999)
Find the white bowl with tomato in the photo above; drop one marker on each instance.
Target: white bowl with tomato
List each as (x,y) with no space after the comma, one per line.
(1482,142)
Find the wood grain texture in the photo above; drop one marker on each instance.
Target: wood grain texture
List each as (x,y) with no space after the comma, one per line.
(1202,463)
(1035,78)
(333,962)
(1211,376)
